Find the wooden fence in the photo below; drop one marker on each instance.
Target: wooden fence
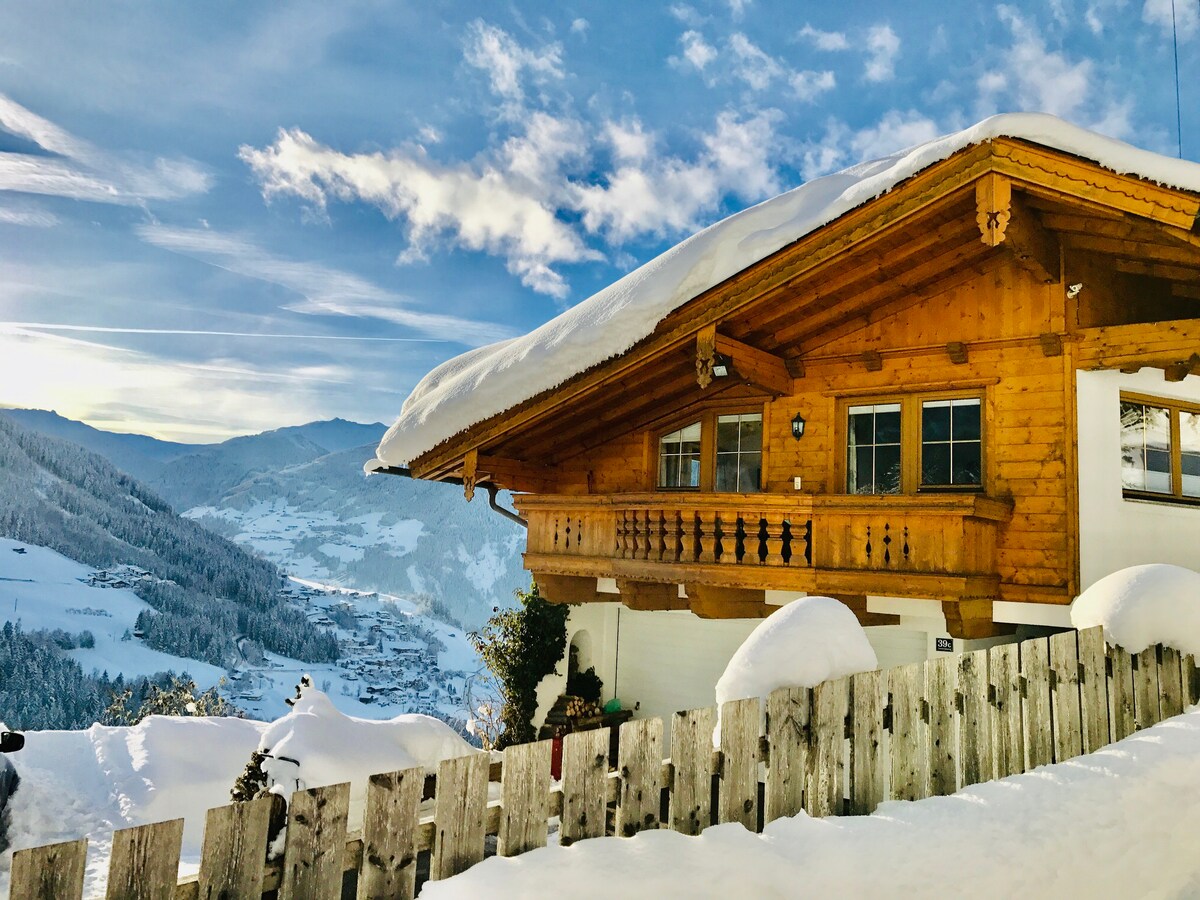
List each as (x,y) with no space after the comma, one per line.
(840,748)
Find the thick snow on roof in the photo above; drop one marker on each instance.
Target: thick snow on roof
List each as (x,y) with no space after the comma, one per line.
(1144,605)
(489,380)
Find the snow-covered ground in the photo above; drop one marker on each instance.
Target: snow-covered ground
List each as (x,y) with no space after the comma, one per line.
(394,659)
(1121,822)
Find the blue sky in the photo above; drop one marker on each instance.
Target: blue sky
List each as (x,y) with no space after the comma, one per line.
(224,217)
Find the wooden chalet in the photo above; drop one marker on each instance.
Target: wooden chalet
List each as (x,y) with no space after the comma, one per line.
(952,407)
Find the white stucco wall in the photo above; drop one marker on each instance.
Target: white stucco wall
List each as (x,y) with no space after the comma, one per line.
(1115,532)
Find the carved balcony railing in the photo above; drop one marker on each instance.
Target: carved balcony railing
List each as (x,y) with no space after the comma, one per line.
(628,535)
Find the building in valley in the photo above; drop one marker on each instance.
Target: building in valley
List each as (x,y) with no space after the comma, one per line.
(951,388)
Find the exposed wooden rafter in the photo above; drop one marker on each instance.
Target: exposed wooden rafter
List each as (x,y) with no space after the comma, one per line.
(514,474)
(757,367)
(1004,218)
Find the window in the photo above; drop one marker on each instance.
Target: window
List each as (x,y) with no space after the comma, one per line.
(722,451)
(951,443)
(1160,448)
(914,443)
(873,449)
(679,458)
(739,452)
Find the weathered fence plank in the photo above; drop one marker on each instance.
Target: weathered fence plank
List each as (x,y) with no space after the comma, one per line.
(825,772)
(316,843)
(1008,733)
(639,760)
(738,797)
(1093,689)
(389,863)
(910,738)
(1036,716)
(787,739)
(53,872)
(1191,679)
(525,798)
(584,769)
(1120,693)
(1170,683)
(1145,689)
(691,767)
(975,725)
(145,862)
(940,677)
(235,846)
(1064,692)
(867,765)
(462,793)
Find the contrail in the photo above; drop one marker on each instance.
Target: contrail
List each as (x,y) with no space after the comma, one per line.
(105,329)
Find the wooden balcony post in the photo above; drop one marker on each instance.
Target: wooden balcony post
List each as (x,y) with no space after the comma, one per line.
(687,524)
(708,537)
(775,540)
(647,535)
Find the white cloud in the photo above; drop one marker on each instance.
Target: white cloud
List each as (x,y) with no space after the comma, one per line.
(883,46)
(507,63)
(809,85)
(429,135)
(28,216)
(737,8)
(323,290)
(696,50)
(841,146)
(825,40)
(80,171)
(580,26)
(1183,17)
(753,66)
(629,141)
(663,195)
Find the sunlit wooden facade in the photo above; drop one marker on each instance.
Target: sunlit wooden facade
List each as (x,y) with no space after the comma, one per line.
(929,344)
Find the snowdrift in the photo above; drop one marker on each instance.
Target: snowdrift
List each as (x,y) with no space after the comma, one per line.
(1144,605)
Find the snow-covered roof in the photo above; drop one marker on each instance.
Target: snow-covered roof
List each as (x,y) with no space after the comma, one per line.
(487,381)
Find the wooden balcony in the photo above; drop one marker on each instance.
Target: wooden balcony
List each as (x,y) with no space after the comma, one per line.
(937,546)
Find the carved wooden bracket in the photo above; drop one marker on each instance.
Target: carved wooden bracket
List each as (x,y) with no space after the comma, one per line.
(993,207)
(726,603)
(957,351)
(971,618)
(872,360)
(706,354)
(1052,344)
(648,596)
(568,589)
(469,475)
(1181,370)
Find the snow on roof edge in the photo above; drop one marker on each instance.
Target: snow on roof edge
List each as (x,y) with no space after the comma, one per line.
(487,381)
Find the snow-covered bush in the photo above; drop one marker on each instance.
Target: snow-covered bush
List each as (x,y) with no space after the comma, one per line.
(1144,605)
(316,744)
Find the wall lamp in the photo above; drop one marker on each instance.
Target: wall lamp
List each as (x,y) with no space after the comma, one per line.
(798,426)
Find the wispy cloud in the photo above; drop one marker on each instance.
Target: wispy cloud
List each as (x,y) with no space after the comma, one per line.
(883,46)
(508,64)
(742,61)
(192,332)
(825,40)
(1181,17)
(29,216)
(324,290)
(76,169)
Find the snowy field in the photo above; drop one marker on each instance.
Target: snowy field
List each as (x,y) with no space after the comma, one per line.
(394,660)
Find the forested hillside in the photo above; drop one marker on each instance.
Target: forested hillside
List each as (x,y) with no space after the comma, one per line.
(207,591)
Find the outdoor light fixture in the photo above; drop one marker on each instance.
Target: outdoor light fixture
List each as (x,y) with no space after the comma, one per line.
(721,365)
(798,426)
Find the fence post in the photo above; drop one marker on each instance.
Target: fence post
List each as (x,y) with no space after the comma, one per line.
(1008,735)
(462,793)
(824,756)
(788,711)
(910,739)
(1145,689)
(584,770)
(639,761)
(1093,689)
(1064,688)
(691,762)
(235,845)
(145,861)
(389,835)
(978,751)
(868,692)
(738,797)
(940,680)
(1035,703)
(316,842)
(1170,680)
(525,798)
(53,872)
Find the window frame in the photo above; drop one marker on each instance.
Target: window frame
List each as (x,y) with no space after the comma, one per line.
(911,444)
(1174,408)
(707,417)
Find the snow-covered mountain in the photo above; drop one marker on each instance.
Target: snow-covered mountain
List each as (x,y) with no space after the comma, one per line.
(298,497)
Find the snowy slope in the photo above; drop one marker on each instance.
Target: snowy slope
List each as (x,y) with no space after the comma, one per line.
(484,382)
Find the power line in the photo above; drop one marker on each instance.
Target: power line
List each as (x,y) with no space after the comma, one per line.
(1178,105)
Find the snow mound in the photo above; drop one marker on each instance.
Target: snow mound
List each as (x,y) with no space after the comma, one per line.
(315,744)
(488,380)
(810,640)
(1144,605)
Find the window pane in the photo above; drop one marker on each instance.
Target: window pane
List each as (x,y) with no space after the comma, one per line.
(862,425)
(751,433)
(689,471)
(1145,447)
(668,471)
(863,471)
(966,468)
(935,420)
(727,469)
(691,433)
(887,424)
(749,472)
(887,470)
(727,434)
(935,464)
(966,419)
